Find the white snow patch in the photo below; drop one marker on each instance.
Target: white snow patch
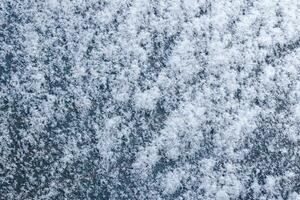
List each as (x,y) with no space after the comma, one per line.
(148,98)
(53,3)
(294,196)
(222,195)
(297,111)
(172,181)
(269,71)
(146,158)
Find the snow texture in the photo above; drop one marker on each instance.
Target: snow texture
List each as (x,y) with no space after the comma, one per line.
(149,99)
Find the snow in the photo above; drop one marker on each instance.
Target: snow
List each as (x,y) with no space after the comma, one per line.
(171,182)
(297,111)
(222,195)
(143,99)
(147,99)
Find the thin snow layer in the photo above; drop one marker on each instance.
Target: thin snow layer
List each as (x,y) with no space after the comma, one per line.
(148,99)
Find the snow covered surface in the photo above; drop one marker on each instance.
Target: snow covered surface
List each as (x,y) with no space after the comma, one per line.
(149,99)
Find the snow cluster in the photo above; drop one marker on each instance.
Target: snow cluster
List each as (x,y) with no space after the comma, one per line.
(149,99)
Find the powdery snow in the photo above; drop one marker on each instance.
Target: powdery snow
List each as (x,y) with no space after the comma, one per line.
(147,99)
